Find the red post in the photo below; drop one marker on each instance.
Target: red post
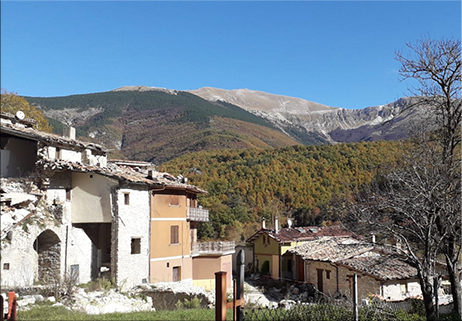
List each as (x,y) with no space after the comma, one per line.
(11,298)
(14,309)
(220,296)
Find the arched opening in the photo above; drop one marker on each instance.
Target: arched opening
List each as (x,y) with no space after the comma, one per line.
(48,247)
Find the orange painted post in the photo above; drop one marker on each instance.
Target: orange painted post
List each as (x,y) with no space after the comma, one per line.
(14,310)
(11,297)
(220,296)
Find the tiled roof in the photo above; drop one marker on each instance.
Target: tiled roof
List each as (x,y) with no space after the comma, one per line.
(124,173)
(330,249)
(383,267)
(304,233)
(366,258)
(48,138)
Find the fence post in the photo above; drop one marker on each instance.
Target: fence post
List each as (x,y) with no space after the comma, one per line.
(11,297)
(220,296)
(14,310)
(355,297)
(240,269)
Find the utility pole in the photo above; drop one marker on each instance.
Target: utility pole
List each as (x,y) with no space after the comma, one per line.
(355,297)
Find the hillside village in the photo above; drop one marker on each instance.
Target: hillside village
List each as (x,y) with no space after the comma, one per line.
(68,210)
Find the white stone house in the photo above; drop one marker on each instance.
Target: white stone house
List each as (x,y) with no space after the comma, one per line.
(67,211)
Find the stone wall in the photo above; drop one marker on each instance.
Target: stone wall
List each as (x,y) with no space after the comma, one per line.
(130,252)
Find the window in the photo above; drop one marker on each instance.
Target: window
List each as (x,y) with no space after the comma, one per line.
(174,200)
(127,198)
(174,234)
(68,194)
(136,245)
(264,239)
(6,266)
(327,274)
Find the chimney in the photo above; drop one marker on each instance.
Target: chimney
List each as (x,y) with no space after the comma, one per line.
(69,132)
(276,224)
(373,238)
(263,223)
(289,222)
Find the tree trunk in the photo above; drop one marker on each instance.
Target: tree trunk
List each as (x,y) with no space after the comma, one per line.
(456,287)
(426,285)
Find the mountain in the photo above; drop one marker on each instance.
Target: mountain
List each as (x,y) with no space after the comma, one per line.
(328,124)
(156,124)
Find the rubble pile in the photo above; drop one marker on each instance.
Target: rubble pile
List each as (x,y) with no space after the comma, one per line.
(19,199)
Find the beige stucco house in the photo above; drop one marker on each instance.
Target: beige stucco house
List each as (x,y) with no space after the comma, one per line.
(270,244)
(68,210)
(330,263)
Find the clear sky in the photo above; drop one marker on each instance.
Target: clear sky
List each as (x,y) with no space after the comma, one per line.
(336,53)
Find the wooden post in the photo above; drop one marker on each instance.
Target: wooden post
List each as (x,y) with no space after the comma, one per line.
(355,297)
(11,298)
(14,309)
(240,269)
(2,314)
(220,296)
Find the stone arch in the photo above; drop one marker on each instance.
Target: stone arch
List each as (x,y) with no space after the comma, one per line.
(48,247)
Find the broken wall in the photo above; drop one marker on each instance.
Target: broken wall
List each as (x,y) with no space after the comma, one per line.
(91,198)
(18,156)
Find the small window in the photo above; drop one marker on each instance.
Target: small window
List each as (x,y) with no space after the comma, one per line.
(328,274)
(174,234)
(264,239)
(136,245)
(174,200)
(6,266)
(68,194)
(127,198)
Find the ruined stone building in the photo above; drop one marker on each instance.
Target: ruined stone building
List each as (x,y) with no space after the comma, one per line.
(68,210)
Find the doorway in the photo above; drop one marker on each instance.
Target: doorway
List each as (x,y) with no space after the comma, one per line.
(48,247)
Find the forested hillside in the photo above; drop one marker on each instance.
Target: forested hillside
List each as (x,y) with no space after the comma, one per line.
(297,181)
(158,125)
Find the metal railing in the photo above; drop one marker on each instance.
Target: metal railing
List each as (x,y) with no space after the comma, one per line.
(213,248)
(198,214)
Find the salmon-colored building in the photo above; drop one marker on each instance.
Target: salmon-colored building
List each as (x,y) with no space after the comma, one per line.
(176,254)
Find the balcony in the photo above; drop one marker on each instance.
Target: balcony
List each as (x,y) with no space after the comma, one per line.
(212,248)
(198,214)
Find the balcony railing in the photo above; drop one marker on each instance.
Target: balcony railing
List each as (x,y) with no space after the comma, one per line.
(198,214)
(213,248)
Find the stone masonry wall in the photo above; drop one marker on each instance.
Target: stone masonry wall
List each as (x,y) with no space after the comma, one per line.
(131,235)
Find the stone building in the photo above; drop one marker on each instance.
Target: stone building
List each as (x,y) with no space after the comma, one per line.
(329,263)
(69,211)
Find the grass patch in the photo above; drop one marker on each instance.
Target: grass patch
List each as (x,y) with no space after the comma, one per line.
(62,314)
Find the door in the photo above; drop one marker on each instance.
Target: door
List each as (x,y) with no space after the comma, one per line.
(301,270)
(320,280)
(176,274)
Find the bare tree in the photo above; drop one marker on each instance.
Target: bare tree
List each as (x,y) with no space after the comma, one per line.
(404,204)
(436,65)
(417,200)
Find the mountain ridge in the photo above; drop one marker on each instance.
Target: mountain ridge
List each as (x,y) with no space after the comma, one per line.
(158,124)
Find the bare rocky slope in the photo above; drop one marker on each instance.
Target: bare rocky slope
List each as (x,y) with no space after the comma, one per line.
(332,124)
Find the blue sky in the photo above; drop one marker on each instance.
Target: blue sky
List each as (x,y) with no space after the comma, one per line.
(335,53)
